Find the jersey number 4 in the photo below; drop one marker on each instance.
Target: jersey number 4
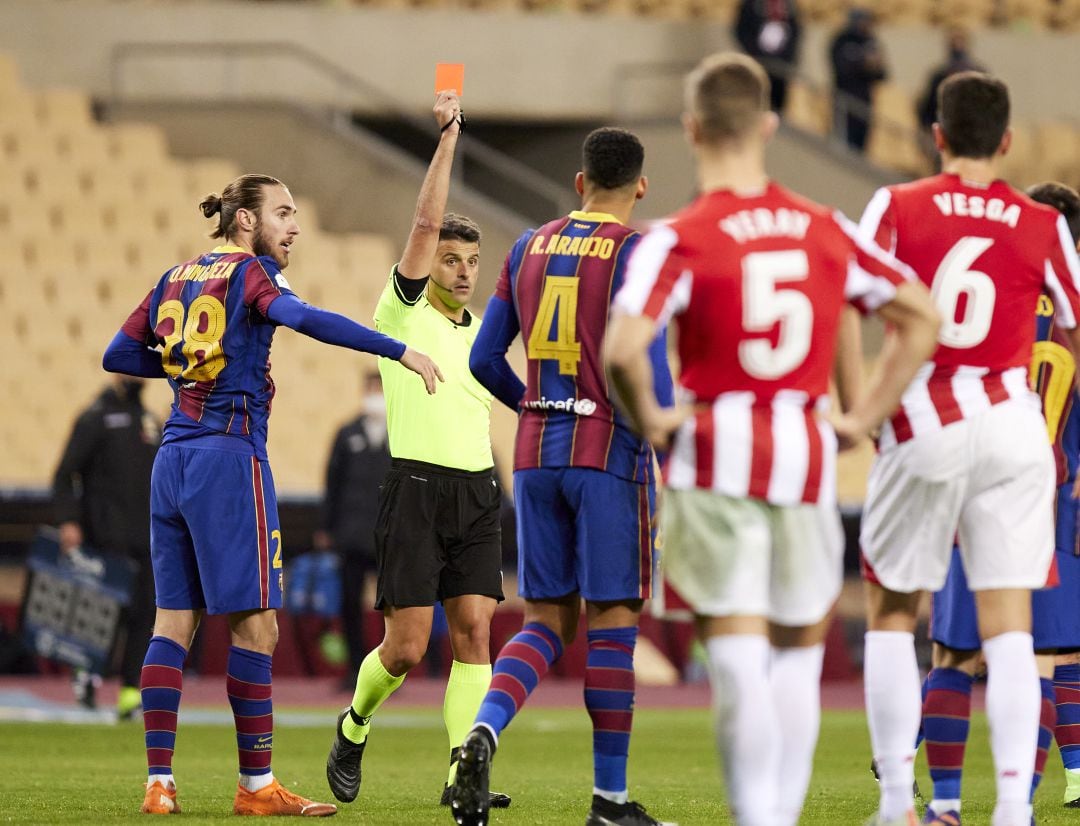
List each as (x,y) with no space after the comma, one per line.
(199,333)
(558,308)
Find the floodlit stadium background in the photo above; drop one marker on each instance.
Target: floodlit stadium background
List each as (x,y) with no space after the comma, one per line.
(117,117)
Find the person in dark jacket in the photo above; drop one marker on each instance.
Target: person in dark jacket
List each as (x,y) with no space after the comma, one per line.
(359,461)
(769,31)
(858,64)
(101,498)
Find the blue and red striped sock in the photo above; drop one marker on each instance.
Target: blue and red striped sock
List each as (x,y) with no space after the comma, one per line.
(609,699)
(946,721)
(1067,729)
(519,668)
(248,684)
(922,735)
(162,683)
(1047,719)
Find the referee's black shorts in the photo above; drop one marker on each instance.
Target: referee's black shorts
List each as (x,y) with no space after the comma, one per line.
(437,535)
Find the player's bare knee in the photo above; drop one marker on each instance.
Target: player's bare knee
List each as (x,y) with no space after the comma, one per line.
(471,641)
(400,656)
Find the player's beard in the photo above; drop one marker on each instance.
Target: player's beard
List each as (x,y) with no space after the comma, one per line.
(262,245)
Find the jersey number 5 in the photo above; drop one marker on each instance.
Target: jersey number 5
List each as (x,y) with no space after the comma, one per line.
(558,301)
(199,335)
(955,278)
(766,303)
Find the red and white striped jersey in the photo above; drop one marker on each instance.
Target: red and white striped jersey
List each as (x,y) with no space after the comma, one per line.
(986,252)
(755,285)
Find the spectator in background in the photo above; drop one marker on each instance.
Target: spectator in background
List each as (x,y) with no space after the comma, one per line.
(359,461)
(858,63)
(958,59)
(101,497)
(769,31)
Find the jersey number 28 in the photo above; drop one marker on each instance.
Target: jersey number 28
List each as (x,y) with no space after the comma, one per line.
(199,333)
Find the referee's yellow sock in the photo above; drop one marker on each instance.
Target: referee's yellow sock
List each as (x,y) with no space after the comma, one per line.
(465,691)
(373,685)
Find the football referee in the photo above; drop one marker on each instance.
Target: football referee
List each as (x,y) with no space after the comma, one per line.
(437,536)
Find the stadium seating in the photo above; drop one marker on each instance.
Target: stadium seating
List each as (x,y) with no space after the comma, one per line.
(94,213)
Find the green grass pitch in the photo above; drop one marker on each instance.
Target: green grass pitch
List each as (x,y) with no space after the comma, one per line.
(56,773)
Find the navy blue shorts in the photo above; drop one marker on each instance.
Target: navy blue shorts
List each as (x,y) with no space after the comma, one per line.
(1055,613)
(215,540)
(581,530)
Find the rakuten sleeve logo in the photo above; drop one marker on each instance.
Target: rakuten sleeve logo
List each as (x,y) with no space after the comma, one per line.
(584,407)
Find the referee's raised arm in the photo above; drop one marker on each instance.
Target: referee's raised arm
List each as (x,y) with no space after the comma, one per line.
(431,204)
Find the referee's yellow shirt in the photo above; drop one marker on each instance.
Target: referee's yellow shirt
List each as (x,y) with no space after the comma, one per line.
(451,428)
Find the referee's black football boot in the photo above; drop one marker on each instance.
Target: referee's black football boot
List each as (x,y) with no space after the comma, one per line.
(497,800)
(470,799)
(631,813)
(343,764)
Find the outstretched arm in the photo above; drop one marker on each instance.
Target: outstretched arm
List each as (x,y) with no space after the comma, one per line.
(431,204)
(126,355)
(332,328)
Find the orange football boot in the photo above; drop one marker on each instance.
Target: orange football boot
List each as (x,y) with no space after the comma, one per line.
(160,799)
(275,799)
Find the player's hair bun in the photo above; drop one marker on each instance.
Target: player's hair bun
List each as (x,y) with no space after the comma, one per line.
(211,205)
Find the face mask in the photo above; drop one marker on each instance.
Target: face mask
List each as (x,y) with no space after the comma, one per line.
(375,404)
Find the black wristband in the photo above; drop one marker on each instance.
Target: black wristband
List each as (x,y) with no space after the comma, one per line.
(460,120)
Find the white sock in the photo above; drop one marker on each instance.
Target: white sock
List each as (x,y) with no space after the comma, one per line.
(747,731)
(614,797)
(254,782)
(1013,703)
(893,710)
(165,780)
(795,678)
(939,807)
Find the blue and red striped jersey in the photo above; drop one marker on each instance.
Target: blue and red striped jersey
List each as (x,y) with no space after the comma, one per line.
(1053,376)
(210,317)
(561,279)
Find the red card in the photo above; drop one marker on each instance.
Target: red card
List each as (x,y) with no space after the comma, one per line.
(450,76)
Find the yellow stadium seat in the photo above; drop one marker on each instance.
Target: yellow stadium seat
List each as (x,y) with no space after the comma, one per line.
(63,109)
(139,143)
(1058,152)
(17,108)
(1027,12)
(208,175)
(87,145)
(807,109)
(1017,167)
(1065,15)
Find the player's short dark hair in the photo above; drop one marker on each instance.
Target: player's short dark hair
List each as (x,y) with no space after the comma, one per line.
(726,93)
(973,113)
(245,192)
(459,228)
(1064,199)
(612,158)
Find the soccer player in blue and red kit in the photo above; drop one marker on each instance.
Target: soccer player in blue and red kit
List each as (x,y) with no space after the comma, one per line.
(1055,619)
(584,484)
(215,540)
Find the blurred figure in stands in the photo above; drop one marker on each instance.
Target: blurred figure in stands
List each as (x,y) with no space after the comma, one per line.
(769,31)
(858,63)
(359,460)
(101,497)
(957,59)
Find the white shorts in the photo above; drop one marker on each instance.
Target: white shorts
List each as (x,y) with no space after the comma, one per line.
(988,482)
(728,556)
